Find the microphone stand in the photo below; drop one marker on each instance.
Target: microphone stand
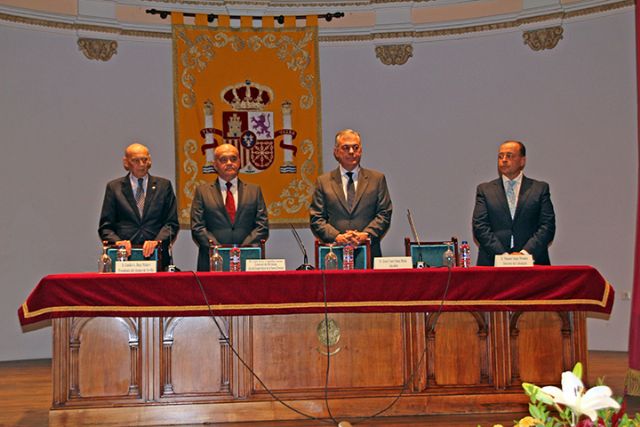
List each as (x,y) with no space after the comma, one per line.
(420,263)
(305,264)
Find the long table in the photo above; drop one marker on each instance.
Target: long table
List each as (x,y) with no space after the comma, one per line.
(159,348)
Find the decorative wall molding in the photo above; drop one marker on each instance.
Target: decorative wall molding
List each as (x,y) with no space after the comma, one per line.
(98,49)
(327,34)
(543,38)
(394,54)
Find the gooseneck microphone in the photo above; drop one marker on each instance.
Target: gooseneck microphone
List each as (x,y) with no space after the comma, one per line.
(414,231)
(305,264)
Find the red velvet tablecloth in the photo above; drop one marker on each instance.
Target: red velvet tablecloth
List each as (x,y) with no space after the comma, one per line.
(566,288)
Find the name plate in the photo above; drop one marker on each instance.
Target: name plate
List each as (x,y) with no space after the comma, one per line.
(265,265)
(127,267)
(392,262)
(520,260)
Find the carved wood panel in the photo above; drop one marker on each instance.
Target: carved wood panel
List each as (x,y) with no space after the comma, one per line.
(104,358)
(366,350)
(457,349)
(196,358)
(541,346)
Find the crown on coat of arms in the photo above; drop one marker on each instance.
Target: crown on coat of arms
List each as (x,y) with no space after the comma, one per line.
(247,96)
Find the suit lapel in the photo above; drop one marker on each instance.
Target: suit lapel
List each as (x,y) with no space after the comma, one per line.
(501,197)
(128,194)
(336,184)
(363,181)
(240,203)
(525,191)
(217,196)
(152,185)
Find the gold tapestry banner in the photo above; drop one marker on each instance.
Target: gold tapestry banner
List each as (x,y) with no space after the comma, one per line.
(255,88)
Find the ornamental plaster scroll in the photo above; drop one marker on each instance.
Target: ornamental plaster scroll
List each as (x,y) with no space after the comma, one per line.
(394,54)
(543,38)
(98,49)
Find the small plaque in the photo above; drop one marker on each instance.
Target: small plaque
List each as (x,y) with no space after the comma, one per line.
(126,267)
(519,260)
(265,265)
(392,262)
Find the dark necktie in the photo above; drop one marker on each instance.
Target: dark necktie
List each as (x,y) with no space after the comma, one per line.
(140,196)
(230,203)
(351,191)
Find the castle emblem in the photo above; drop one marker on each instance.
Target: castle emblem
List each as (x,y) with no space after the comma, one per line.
(250,128)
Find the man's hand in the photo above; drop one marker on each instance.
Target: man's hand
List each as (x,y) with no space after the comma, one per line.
(358,237)
(148,248)
(354,237)
(126,244)
(343,239)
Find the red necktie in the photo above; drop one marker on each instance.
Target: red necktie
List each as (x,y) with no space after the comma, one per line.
(230,203)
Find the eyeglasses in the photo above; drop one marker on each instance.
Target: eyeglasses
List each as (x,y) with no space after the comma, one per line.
(348,148)
(225,159)
(508,156)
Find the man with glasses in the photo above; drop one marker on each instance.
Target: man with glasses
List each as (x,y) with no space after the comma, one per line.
(513,214)
(351,204)
(139,209)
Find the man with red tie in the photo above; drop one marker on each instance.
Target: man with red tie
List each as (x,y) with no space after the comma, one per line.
(227,211)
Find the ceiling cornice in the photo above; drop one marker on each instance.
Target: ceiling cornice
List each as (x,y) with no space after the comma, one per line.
(553,14)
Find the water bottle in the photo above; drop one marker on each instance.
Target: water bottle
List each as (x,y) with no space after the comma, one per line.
(104,262)
(331,260)
(448,257)
(121,255)
(465,254)
(215,260)
(234,259)
(347,257)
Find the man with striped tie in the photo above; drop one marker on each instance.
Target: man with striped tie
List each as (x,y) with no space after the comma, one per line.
(139,209)
(514,213)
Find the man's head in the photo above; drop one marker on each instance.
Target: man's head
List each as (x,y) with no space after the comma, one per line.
(137,160)
(512,157)
(348,149)
(226,160)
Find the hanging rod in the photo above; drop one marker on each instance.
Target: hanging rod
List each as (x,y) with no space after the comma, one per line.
(212,16)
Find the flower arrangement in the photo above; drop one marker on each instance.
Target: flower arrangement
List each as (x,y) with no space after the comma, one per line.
(574,405)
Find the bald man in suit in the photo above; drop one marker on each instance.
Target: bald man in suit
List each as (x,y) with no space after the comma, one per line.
(528,225)
(210,218)
(123,222)
(369,216)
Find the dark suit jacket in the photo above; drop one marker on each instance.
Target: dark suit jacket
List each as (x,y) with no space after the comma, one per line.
(210,220)
(371,212)
(533,226)
(120,219)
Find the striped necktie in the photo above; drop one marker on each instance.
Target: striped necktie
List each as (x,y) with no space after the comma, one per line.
(140,196)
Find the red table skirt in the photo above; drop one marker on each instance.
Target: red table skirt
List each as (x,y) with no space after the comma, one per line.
(557,288)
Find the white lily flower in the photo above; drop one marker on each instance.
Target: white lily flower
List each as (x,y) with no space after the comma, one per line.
(574,397)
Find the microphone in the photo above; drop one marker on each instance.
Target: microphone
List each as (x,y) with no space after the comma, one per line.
(171,267)
(414,231)
(305,265)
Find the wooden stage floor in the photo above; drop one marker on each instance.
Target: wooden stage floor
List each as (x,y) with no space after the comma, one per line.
(25,393)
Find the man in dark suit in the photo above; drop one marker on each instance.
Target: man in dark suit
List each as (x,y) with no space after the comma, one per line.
(227,211)
(139,209)
(513,214)
(351,204)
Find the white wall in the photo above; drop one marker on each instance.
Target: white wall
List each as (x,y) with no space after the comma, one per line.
(432,125)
